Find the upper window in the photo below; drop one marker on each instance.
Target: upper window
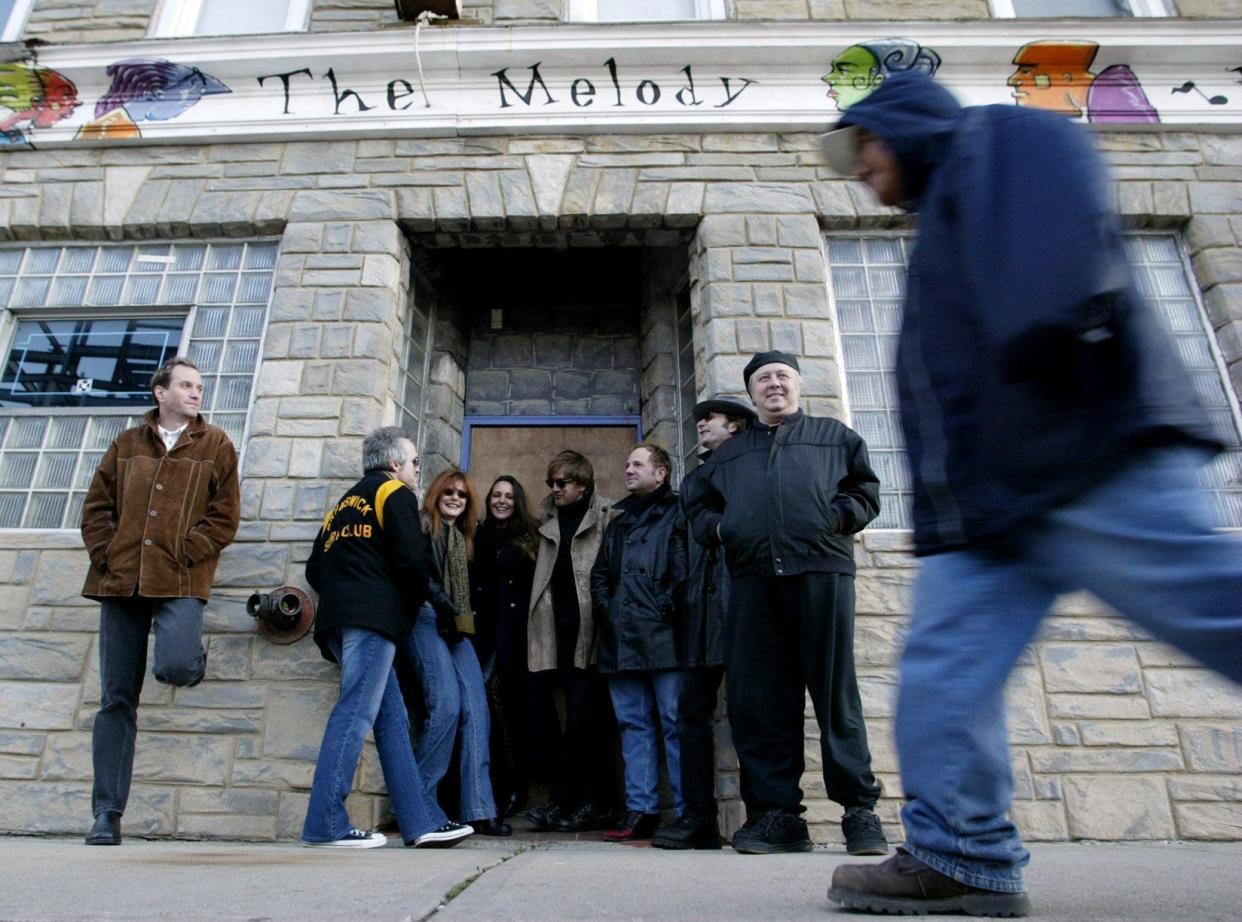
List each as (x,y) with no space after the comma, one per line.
(229,17)
(643,10)
(83,328)
(13,15)
(1042,9)
(867,282)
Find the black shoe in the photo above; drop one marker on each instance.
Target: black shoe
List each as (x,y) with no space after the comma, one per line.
(544,816)
(903,885)
(584,819)
(863,833)
(492,827)
(516,801)
(107,829)
(772,832)
(635,826)
(688,832)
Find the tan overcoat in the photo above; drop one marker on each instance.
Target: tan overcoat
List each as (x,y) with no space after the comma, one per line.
(541,629)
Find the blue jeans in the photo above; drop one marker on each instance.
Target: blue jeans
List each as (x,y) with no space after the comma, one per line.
(456,701)
(1143,543)
(636,699)
(124,624)
(370,700)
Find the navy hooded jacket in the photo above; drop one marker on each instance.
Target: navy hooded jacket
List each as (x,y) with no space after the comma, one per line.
(1029,368)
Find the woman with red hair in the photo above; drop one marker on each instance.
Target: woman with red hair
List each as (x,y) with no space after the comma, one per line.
(454,698)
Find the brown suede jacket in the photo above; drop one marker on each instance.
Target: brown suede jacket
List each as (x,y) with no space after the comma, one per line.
(155,521)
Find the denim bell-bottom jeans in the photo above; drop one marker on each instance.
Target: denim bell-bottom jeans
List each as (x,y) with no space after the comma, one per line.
(370,700)
(1143,543)
(456,702)
(646,707)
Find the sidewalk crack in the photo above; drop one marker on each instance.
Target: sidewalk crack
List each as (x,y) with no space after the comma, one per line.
(460,887)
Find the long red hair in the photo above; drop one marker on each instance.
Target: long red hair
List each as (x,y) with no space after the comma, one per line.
(469,518)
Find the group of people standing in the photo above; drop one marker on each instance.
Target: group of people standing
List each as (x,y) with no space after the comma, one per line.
(635,610)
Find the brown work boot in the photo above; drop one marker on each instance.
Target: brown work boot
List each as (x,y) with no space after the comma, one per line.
(905,886)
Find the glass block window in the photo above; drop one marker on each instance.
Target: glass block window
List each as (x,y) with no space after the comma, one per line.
(415,349)
(84,327)
(687,386)
(867,279)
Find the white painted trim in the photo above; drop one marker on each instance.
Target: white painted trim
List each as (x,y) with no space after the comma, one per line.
(1003,9)
(588,10)
(179,18)
(12,29)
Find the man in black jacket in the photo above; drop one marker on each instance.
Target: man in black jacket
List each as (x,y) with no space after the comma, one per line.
(635,585)
(785,498)
(700,643)
(369,566)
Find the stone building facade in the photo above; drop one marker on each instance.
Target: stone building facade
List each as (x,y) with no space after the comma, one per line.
(635,270)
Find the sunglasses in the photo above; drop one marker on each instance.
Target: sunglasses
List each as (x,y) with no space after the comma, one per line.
(461,494)
(559,482)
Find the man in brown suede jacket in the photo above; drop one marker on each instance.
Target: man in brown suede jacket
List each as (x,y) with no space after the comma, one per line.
(162,505)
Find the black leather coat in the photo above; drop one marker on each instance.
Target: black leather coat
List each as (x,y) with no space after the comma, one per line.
(705,593)
(636,582)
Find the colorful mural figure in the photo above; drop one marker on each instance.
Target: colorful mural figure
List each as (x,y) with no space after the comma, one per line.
(860,68)
(36,97)
(1055,75)
(147,90)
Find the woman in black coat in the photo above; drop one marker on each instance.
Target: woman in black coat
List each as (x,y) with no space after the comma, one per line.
(504,566)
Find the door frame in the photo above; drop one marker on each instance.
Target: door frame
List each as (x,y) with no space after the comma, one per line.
(470,423)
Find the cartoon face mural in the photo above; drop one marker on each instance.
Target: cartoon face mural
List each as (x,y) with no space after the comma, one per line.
(147,90)
(859,69)
(38,96)
(1055,75)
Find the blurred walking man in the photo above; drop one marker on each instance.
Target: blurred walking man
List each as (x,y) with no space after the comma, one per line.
(1054,440)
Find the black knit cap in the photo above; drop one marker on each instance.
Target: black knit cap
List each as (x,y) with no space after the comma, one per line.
(767,358)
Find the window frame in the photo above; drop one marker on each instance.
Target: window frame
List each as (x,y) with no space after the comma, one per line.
(1003,9)
(11,29)
(177,19)
(1211,339)
(587,11)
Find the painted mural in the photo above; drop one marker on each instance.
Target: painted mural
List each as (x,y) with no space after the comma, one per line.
(35,97)
(860,68)
(1056,75)
(147,90)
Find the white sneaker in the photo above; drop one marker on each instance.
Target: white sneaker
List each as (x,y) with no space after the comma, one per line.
(446,836)
(355,838)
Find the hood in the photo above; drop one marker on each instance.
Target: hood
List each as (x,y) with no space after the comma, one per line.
(916,117)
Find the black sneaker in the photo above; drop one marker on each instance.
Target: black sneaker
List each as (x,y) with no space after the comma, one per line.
(771,833)
(543,816)
(355,838)
(688,832)
(863,833)
(584,819)
(445,836)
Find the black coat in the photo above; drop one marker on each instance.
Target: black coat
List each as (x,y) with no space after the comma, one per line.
(636,582)
(787,498)
(501,578)
(1029,368)
(705,595)
(370,562)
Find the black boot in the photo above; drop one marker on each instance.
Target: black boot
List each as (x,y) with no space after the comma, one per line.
(107,829)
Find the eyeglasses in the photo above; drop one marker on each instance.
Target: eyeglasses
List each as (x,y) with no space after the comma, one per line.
(461,494)
(559,482)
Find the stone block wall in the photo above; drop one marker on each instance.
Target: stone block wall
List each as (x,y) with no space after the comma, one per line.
(1115,735)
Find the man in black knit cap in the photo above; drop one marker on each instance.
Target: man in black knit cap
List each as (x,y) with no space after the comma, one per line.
(784,498)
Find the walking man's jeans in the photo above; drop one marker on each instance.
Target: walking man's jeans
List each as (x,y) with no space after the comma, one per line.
(1143,543)
(370,700)
(124,624)
(637,699)
(456,701)
(696,711)
(787,636)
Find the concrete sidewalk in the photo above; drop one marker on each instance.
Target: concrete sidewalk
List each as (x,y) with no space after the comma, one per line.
(61,879)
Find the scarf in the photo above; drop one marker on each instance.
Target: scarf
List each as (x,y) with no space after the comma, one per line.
(457,579)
